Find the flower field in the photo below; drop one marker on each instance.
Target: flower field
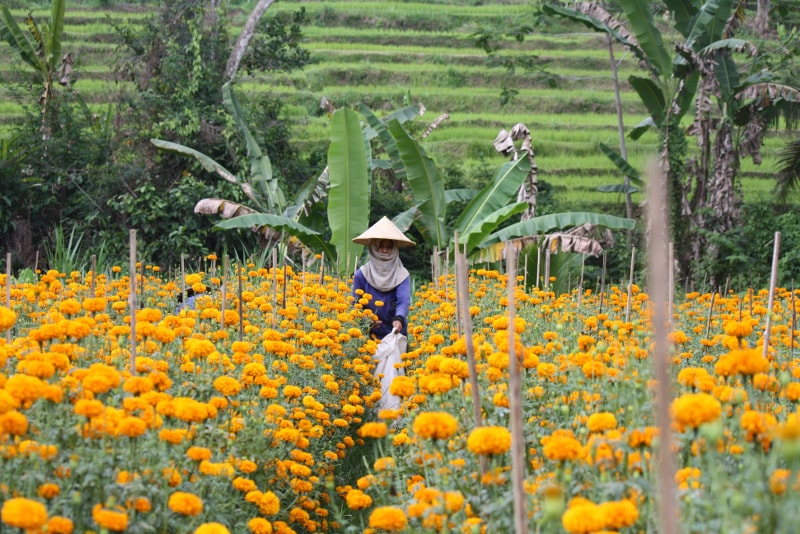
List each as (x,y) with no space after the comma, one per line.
(259,414)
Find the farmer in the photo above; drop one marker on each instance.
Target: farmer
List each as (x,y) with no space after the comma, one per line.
(384,277)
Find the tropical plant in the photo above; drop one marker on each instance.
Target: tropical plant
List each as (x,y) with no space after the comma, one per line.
(703,71)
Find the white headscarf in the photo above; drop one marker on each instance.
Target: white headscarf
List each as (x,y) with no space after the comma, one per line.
(384,271)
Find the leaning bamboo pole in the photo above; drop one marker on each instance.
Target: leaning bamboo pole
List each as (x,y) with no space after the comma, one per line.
(515,398)
(668,503)
(772,282)
(132,297)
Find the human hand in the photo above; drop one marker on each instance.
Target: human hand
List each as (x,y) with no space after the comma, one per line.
(397,325)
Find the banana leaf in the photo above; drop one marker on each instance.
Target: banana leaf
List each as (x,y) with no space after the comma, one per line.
(478,232)
(427,185)
(348,197)
(640,21)
(622,164)
(16,38)
(310,238)
(556,221)
(497,194)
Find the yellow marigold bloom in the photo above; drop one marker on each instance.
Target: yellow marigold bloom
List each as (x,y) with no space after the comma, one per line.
(373,430)
(602,421)
(435,425)
(227,385)
(619,514)
(383,464)
(453,501)
(109,519)
(292,392)
(131,426)
(69,307)
(677,337)
(562,446)
(142,505)
(244,485)
(582,517)
(259,525)
(267,503)
(388,518)
(489,440)
(23,513)
(743,362)
(358,500)
(59,525)
(174,436)
(48,491)
(185,503)
(778,481)
(198,454)
(688,477)
(212,528)
(7,318)
(14,423)
(758,425)
(738,329)
(402,386)
(693,409)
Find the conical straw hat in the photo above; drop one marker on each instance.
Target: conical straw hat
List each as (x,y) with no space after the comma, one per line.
(384,229)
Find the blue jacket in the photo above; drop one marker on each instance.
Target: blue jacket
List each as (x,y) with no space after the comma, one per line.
(395,304)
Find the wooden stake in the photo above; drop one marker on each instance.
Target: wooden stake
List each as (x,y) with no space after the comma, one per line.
(671,274)
(708,319)
(773,280)
(538,263)
(546,283)
(241,302)
(275,284)
(603,281)
(630,286)
(94,276)
(132,297)
(515,393)
(8,291)
(183,281)
(224,291)
(322,268)
(462,297)
(657,198)
(791,329)
(580,285)
(525,273)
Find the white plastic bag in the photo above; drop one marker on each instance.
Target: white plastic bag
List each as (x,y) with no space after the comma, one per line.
(388,354)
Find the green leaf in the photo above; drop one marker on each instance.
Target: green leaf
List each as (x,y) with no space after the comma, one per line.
(378,126)
(595,24)
(260,166)
(402,115)
(56,33)
(208,164)
(624,167)
(404,220)
(557,221)
(726,73)
(310,238)
(640,21)
(427,185)
(682,12)
(686,98)
(708,24)
(618,188)
(348,197)
(14,36)
(642,128)
(502,189)
(489,223)
(459,195)
(652,97)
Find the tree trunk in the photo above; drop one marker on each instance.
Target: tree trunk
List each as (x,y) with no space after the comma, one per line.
(762,17)
(244,38)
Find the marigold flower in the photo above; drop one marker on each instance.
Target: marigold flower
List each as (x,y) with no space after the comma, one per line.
(373,430)
(23,513)
(48,490)
(7,318)
(743,362)
(131,426)
(583,517)
(227,385)
(358,500)
(489,440)
(693,409)
(185,503)
(267,503)
(388,518)
(619,514)
(59,525)
(402,386)
(259,525)
(109,519)
(562,446)
(435,425)
(600,422)
(212,528)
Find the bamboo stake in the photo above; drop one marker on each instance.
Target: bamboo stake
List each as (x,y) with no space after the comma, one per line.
(275,284)
(630,286)
(241,302)
(36,262)
(132,297)
(8,291)
(224,290)
(750,299)
(671,273)
(538,263)
(546,283)
(446,270)
(283,303)
(515,393)
(183,281)
(94,275)
(603,281)
(773,280)
(580,286)
(462,296)
(668,502)
(525,273)
(794,319)
(708,319)
(322,268)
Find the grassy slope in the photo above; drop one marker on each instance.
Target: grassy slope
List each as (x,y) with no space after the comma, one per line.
(381,52)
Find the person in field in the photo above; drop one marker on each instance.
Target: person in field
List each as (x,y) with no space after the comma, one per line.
(385,278)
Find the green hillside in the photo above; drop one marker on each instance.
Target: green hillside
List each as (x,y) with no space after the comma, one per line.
(382,53)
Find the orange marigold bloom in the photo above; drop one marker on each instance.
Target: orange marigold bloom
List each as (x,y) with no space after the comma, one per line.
(59,525)
(489,440)
(402,386)
(602,421)
(259,525)
(388,518)
(185,503)
(738,329)
(198,453)
(358,500)
(693,409)
(743,362)
(7,318)
(562,446)
(435,425)
(48,491)
(212,528)
(23,513)
(582,517)
(109,519)
(227,385)
(267,503)
(373,430)
(131,426)
(619,514)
